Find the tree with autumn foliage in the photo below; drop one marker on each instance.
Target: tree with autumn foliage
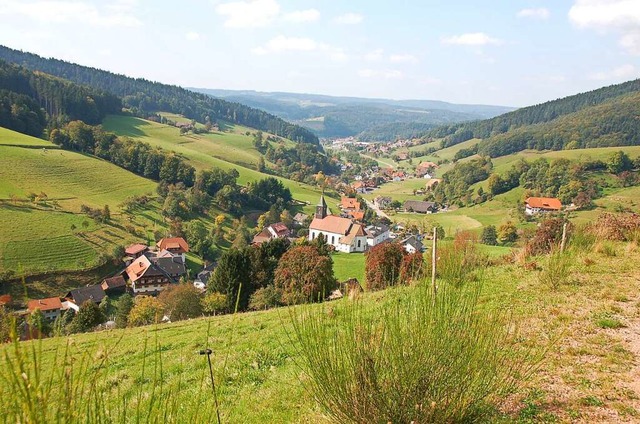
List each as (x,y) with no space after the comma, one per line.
(303,275)
(382,266)
(181,301)
(412,267)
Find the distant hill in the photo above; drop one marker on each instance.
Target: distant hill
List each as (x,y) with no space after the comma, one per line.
(331,116)
(143,96)
(605,117)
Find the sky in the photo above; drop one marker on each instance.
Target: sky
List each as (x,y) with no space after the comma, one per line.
(501,52)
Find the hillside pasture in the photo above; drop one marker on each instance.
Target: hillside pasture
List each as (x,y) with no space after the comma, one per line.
(224,150)
(13,138)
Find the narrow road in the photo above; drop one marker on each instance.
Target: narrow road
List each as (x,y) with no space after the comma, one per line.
(376,209)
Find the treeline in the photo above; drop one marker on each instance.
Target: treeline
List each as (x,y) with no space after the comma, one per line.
(618,131)
(299,163)
(137,157)
(456,183)
(23,93)
(143,97)
(394,131)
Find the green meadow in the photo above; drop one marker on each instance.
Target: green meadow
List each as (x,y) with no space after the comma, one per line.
(226,150)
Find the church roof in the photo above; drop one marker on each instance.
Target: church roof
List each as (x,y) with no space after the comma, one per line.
(331,224)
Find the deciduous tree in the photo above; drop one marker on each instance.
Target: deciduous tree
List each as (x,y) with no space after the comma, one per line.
(304,275)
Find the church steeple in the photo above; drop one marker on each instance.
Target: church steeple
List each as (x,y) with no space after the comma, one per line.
(321,208)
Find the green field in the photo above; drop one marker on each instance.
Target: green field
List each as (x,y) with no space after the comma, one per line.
(39,238)
(349,265)
(232,149)
(588,374)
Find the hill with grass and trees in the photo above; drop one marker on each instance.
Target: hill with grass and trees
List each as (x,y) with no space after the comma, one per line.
(143,97)
(599,118)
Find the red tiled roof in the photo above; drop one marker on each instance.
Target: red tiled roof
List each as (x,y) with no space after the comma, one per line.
(280,228)
(49,304)
(331,224)
(357,215)
(355,231)
(550,203)
(350,203)
(137,268)
(134,249)
(173,243)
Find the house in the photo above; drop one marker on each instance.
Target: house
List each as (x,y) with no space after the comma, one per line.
(359,187)
(355,215)
(300,218)
(50,307)
(176,245)
(341,233)
(202,279)
(376,234)
(273,231)
(382,202)
(425,168)
(534,205)
(79,296)
(135,250)
(420,206)
(114,286)
(351,203)
(152,273)
(411,244)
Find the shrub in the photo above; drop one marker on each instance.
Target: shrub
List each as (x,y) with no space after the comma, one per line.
(416,357)
(265,298)
(382,266)
(181,301)
(147,310)
(548,236)
(458,262)
(615,227)
(556,271)
(214,303)
(88,317)
(489,235)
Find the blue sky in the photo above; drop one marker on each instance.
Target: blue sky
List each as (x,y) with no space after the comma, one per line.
(516,52)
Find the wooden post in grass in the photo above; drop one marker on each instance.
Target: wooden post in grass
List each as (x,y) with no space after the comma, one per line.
(434,258)
(564,238)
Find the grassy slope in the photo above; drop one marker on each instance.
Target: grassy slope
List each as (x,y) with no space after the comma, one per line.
(226,150)
(588,375)
(349,265)
(38,238)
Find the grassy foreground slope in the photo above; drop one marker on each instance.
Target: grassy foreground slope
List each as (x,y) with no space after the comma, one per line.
(230,149)
(589,374)
(53,235)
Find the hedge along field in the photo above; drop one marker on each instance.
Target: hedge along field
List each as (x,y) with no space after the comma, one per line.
(221,149)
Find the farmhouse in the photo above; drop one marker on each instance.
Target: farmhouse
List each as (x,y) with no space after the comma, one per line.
(89,293)
(135,250)
(176,245)
(534,205)
(49,307)
(300,218)
(377,234)
(420,206)
(341,233)
(151,273)
(273,231)
(382,202)
(114,286)
(411,244)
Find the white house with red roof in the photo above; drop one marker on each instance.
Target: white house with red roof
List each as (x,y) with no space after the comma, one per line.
(49,307)
(535,205)
(341,233)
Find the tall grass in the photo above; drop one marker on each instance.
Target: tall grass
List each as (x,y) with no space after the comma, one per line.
(557,269)
(73,388)
(415,357)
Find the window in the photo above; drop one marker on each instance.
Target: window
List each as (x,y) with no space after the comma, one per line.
(333,239)
(359,241)
(313,235)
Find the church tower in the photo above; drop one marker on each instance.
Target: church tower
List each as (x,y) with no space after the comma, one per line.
(321,208)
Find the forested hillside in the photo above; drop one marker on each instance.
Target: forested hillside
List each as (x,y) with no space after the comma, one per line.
(143,97)
(599,118)
(28,100)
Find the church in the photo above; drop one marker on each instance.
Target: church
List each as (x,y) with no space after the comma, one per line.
(341,233)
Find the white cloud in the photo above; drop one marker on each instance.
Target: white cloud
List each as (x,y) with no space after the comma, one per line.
(113,14)
(403,58)
(249,14)
(374,55)
(192,36)
(349,19)
(300,16)
(620,73)
(472,39)
(621,16)
(282,44)
(539,13)
(381,73)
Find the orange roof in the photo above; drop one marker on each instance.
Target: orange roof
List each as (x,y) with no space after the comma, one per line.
(544,203)
(357,215)
(49,304)
(173,243)
(134,249)
(5,299)
(349,203)
(331,224)
(357,184)
(355,231)
(137,268)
